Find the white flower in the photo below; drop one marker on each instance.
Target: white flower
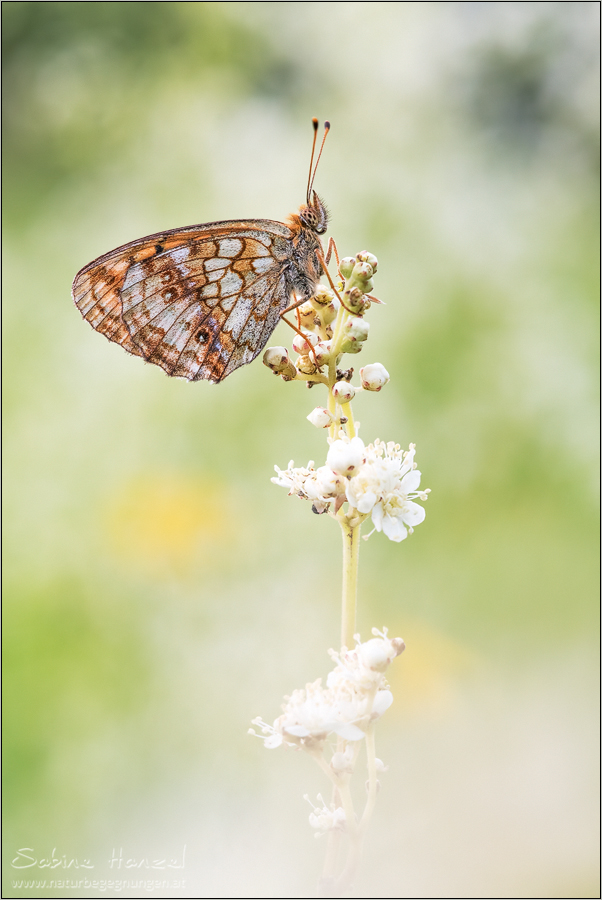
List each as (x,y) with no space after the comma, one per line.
(356,692)
(325,818)
(365,665)
(374,377)
(321,486)
(346,456)
(385,486)
(315,712)
(320,417)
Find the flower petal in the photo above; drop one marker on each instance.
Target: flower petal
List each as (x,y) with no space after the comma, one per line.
(382,702)
(394,528)
(349,732)
(377,516)
(411,481)
(297,730)
(412,513)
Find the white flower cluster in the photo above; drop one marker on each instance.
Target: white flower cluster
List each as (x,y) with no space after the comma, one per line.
(380,480)
(325,818)
(356,692)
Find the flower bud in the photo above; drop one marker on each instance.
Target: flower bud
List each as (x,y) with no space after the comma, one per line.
(399,644)
(346,266)
(322,297)
(363,271)
(343,392)
(374,377)
(327,313)
(307,316)
(306,365)
(367,257)
(276,359)
(340,762)
(322,352)
(289,372)
(351,345)
(356,302)
(320,417)
(357,328)
(302,344)
(329,483)
(377,653)
(345,457)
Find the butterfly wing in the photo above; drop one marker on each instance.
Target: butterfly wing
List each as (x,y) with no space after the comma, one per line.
(198,301)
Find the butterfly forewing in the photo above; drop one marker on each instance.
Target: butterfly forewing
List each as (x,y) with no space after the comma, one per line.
(198,301)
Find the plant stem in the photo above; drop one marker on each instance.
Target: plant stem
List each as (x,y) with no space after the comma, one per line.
(351,545)
(372,779)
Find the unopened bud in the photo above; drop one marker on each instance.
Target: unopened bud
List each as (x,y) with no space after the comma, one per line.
(276,358)
(351,345)
(356,302)
(343,392)
(322,296)
(289,372)
(399,645)
(362,271)
(345,457)
(367,257)
(322,352)
(357,328)
(340,763)
(301,344)
(327,313)
(307,316)
(374,377)
(346,266)
(306,365)
(320,417)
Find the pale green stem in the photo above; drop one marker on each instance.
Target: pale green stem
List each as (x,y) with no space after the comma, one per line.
(351,546)
(346,410)
(372,779)
(342,315)
(333,843)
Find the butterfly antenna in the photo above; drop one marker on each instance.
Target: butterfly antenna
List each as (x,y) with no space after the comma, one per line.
(314,122)
(311,182)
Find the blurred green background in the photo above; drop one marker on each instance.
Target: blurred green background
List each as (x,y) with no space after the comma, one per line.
(159,591)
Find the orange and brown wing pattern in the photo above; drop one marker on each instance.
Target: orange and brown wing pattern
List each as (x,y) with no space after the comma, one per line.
(198,301)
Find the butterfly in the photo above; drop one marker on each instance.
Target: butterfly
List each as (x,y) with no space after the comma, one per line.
(203,300)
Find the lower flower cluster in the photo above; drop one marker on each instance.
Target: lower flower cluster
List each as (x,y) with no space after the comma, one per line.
(356,693)
(380,481)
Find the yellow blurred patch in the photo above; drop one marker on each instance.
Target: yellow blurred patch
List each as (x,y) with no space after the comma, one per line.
(425,678)
(168,522)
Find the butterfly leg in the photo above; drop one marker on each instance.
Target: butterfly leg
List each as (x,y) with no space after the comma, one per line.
(320,255)
(296,328)
(332,247)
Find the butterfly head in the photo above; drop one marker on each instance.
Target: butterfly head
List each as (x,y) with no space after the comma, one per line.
(314,214)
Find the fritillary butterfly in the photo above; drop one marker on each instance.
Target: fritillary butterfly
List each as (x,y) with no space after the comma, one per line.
(201,301)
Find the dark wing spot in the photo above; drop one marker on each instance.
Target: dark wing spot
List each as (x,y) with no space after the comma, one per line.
(202,335)
(159,248)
